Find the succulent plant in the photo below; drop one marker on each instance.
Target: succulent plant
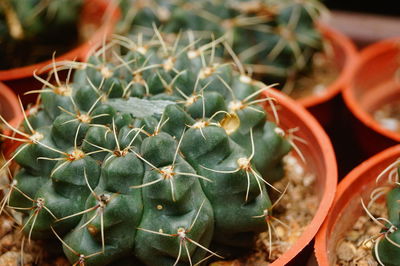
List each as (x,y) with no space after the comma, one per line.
(35,23)
(152,151)
(274,37)
(387,243)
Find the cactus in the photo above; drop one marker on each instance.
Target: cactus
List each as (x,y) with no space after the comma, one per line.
(387,244)
(36,23)
(274,37)
(152,151)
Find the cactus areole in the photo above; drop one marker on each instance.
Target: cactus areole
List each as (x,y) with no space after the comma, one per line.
(152,152)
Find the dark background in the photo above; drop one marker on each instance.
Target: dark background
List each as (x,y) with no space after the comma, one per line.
(383,7)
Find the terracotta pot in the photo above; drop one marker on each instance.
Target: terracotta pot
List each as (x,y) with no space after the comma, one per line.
(325,106)
(320,159)
(97,21)
(346,209)
(9,106)
(372,86)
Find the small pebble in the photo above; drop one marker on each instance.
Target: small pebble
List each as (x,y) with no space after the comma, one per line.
(346,251)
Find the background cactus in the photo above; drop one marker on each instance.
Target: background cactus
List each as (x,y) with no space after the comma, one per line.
(387,243)
(140,154)
(30,30)
(274,37)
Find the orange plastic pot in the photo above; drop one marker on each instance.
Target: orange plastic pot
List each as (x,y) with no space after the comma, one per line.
(9,106)
(325,106)
(357,185)
(11,111)
(97,21)
(320,160)
(373,85)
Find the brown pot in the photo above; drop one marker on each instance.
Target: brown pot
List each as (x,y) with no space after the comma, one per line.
(325,106)
(373,85)
(97,21)
(320,159)
(357,185)
(10,109)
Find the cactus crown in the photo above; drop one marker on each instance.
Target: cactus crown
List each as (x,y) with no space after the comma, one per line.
(140,153)
(273,37)
(387,243)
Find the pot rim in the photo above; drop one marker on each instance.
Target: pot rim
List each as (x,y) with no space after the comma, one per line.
(331,174)
(106,26)
(342,80)
(9,96)
(366,54)
(320,246)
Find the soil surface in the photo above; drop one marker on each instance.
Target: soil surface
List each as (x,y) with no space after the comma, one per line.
(389,116)
(315,82)
(294,210)
(355,249)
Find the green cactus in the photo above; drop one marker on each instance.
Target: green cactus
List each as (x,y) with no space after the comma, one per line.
(30,30)
(153,151)
(387,245)
(274,37)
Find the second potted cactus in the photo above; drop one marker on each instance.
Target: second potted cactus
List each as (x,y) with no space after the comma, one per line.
(278,41)
(352,232)
(80,24)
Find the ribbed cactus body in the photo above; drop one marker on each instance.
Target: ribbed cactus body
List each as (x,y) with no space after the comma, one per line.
(155,153)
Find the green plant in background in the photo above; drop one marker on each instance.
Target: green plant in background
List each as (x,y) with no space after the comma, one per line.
(273,37)
(155,152)
(30,30)
(387,244)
